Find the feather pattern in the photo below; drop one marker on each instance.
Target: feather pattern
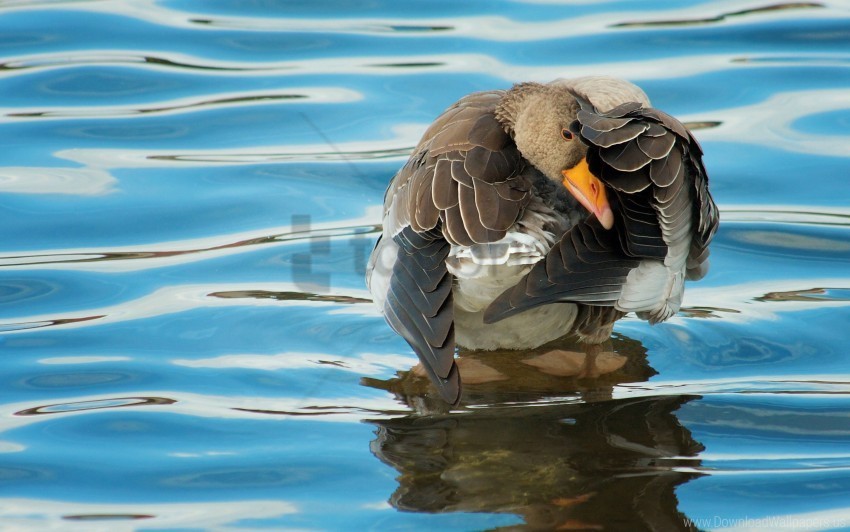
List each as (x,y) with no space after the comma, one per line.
(419,306)
(477,230)
(587,265)
(664,219)
(464,187)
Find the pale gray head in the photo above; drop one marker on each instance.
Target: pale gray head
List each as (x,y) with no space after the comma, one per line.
(538,117)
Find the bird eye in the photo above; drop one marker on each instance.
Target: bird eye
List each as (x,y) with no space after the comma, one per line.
(567,134)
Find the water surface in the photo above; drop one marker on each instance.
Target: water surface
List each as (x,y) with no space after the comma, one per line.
(189,191)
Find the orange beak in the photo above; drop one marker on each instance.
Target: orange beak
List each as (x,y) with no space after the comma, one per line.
(589,191)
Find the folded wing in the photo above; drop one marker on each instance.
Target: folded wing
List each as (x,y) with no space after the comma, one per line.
(665,219)
(463,185)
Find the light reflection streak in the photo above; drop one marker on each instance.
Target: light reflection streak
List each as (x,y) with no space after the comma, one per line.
(489,27)
(82,406)
(708,456)
(219,100)
(341,409)
(354,409)
(772,471)
(749,300)
(73,360)
(822,386)
(11,447)
(32,514)
(405,137)
(786,214)
(362,363)
(468,64)
(721,17)
(174,299)
(770,122)
(159,254)
(53,180)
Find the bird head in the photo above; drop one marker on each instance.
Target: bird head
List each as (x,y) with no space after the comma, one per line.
(542,120)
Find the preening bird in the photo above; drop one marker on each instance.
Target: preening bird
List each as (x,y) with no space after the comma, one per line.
(527,214)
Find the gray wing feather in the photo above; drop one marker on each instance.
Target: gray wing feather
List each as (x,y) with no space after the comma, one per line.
(657,147)
(707,218)
(664,160)
(587,265)
(419,306)
(625,157)
(607,138)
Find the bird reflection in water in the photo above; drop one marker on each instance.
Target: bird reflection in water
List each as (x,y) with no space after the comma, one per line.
(556,450)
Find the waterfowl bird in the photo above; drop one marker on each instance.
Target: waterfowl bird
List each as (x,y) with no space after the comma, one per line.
(527,214)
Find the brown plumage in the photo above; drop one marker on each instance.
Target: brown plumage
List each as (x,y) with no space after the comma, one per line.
(484,247)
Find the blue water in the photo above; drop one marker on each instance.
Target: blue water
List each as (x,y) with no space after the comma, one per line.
(188,194)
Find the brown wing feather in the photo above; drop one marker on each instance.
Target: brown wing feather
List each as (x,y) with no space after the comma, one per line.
(462,185)
(465,147)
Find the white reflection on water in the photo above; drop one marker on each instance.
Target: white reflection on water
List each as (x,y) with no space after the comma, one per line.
(749,300)
(789,214)
(345,409)
(204,454)
(823,386)
(217,100)
(33,513)
(791,241)
(363,363)
(176,252)
(82,360)
(174,299)
(487,27)
(89,181)
(467,64)
(11,447)
(404,137)
(770,122)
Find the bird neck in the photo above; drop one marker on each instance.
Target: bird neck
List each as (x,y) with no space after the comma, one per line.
(509,107)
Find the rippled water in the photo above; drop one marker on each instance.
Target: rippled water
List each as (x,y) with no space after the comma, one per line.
(189,191)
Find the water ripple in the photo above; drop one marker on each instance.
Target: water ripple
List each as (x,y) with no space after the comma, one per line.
(107,517)
(242,99)
(173,167)
(171,61)
(288,296)
(34,513)
(176,299)
(186,251)
(99,404)
(722,16)
(771,122)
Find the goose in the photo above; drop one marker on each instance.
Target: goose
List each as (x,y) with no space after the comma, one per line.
(544,210)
